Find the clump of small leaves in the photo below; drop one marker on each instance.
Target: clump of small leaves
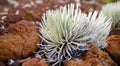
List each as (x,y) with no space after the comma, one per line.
(67,32)
(108,1)
(112,10)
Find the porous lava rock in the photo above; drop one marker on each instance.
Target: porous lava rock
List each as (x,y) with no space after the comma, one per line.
(93,57)
(35,62)
(114,48)
(19,40)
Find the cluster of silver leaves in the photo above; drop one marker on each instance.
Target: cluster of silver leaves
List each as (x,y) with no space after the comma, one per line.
(67,32)
(112,10)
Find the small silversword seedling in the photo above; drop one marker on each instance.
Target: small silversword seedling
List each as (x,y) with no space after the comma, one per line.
(67,32)
(112,10)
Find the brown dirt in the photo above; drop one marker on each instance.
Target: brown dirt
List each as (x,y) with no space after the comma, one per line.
(36,10)
(2,64)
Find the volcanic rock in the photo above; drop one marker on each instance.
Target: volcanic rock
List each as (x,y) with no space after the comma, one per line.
(93,57)
(19,41)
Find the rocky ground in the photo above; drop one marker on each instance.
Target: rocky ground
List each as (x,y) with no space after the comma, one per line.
(19,34)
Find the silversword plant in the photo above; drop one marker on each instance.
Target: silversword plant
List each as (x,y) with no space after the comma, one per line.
(112,10)
(67,32)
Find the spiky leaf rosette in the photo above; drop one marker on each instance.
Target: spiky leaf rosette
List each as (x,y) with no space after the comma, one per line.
(67,33)
(112,10)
